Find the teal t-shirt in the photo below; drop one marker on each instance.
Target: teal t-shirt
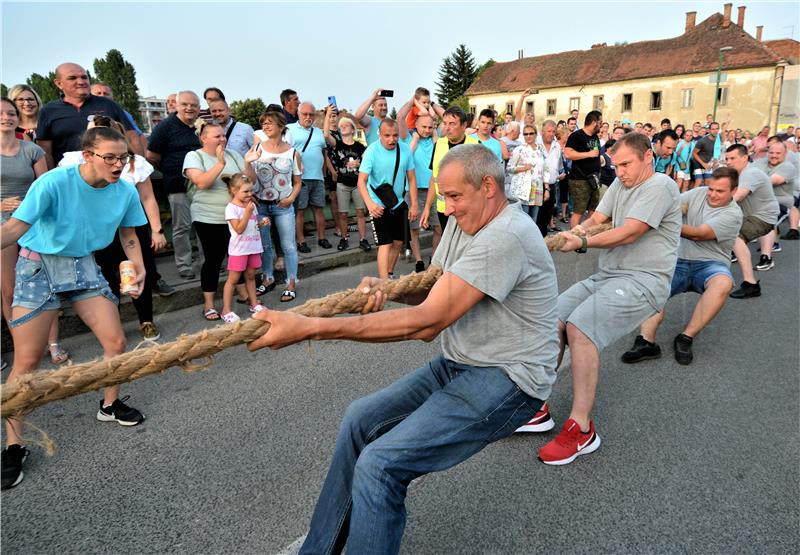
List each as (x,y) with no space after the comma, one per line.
(422,160)
(208,205)
(69,217)
(492,144)
(378,163)
(660,165)
(312,156)
(374,130)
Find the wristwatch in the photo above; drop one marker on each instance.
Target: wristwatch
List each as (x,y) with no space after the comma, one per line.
(584,245)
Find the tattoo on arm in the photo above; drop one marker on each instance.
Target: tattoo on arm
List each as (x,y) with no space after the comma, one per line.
(130,244)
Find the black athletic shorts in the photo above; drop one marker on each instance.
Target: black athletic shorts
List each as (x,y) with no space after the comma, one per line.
(391,226)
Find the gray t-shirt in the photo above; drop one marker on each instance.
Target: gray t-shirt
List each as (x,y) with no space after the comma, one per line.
(761,202)
(649,261)
(785,169)
(724,220)
(16,172)
(705,148)
(514,326)
(208,205)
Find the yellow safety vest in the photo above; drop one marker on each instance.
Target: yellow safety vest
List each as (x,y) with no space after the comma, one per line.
(441,148)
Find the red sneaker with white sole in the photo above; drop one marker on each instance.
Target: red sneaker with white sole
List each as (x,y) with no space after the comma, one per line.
(541,421)
(569,444)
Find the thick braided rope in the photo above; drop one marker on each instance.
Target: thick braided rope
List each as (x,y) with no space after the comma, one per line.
(38,388)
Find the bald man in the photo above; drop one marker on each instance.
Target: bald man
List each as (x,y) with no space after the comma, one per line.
(62,122)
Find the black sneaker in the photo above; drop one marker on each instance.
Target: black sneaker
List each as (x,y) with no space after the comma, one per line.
(683,348)
(747,290)
(120,413)
(325,244)
(420,267)
(12,458)
(765,263)
(733,257)
(303,247)
(163,288)
(791,235)
(343,244)
(641,350)
(364,245)
(776,247)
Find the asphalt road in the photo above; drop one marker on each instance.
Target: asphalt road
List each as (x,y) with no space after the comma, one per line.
(697,459)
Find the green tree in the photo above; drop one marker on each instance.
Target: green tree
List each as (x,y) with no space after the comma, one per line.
(120,75)
(248,111)
(456,74)
(489,63)
(462,102)
(3,89)
(393,114)
(44,86)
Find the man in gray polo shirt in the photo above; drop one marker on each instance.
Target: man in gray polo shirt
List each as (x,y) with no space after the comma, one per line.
(711,222)
(632,284)
(760,211)
(783,176)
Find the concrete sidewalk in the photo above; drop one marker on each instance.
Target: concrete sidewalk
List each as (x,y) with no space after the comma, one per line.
(188,293)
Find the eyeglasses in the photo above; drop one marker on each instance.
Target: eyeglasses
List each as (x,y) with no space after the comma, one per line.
(26,101)
(110,159)
(529,134)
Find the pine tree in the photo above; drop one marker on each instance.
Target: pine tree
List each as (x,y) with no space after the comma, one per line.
(456,74)
(119,74)
(44,86)
(248,111)
(393,114)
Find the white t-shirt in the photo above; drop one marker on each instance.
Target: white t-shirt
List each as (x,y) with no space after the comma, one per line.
(141,167)
(248,242)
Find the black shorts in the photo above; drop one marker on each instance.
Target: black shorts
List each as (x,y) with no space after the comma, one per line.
(391,226)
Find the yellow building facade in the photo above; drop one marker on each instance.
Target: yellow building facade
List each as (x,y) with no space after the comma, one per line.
(748,95)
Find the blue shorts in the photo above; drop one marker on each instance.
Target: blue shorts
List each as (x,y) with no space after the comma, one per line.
(692,275)
(702,173)
(32,290)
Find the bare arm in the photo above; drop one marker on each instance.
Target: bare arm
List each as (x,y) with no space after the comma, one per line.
(449,299)
(375,209)
(702,232)
(402,126)
(413,210)
(241,224)
(12,230)
(361,113)
(572,154)
(133,140)
(518,109)
(133,252)
(40,166)
(47,146)
(777,180)
(326,128)
(740,193)
(153,157)
(504,150)
(150,205)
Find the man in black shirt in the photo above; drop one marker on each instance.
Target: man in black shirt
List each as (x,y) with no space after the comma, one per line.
(290,102)
(703,155)
(62,122)
(169,143)
(583,148)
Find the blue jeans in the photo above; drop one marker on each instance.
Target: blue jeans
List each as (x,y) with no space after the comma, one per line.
(692,275)
(531,210)
(427,421)
(283,218)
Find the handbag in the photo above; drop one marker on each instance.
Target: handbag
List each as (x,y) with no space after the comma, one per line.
(385,191)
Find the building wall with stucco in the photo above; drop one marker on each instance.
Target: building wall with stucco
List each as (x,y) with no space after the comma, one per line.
(750,97)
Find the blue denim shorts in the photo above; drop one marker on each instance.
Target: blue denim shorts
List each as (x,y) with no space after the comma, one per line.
(32,290)
(692,275)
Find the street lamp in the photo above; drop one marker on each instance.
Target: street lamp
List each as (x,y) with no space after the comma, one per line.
(719,71)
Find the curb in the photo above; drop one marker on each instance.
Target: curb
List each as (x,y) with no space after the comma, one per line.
(188,294)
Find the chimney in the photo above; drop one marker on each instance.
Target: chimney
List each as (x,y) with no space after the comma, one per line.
(691,18)
(759,31)
(740,18)
(726,16)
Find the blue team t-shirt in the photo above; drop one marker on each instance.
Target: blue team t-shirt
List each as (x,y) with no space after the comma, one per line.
(492,144)
(69,217)
(422,160)
(312,157)
(374,130)
(378,163)
(660,165)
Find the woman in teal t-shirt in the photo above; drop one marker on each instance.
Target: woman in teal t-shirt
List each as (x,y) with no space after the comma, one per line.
(205,167)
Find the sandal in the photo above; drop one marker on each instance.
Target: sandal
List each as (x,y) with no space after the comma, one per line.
(211,314)
(57,353)
(230,317)
(256,308)
(288,296)
(264,289)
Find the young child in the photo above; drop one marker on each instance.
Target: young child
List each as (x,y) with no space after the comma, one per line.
(244,248)
(422,106)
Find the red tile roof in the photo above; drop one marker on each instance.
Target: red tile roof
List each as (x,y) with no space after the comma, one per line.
(787,49)
(696,51)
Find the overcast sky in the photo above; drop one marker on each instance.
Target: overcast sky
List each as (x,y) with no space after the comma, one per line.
(346,49)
